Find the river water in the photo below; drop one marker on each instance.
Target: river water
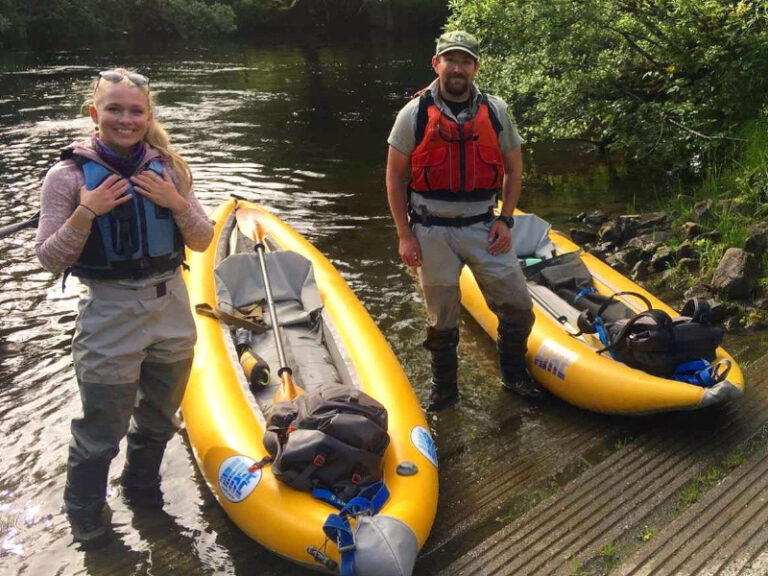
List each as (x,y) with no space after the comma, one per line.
(302,130)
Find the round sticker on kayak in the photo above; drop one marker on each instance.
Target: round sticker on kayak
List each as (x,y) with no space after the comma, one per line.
(236,480)
(423,441)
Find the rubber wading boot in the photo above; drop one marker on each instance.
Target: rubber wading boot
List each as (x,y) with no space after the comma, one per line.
(84,501)
(141,476)
(520,382)
(91,531)
(443,347)
(511,345)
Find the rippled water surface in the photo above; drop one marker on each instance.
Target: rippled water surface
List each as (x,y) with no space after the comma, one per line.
(302,130)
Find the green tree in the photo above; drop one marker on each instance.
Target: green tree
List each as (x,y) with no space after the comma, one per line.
(56,22)
(184,18)
(675,78)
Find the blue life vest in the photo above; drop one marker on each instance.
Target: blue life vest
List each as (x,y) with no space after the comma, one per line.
(135,240)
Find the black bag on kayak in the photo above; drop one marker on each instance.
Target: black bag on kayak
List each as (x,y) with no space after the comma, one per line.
(655,342)
(332,438)
(651,340)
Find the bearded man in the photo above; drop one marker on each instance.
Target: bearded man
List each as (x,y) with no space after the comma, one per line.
(452,150)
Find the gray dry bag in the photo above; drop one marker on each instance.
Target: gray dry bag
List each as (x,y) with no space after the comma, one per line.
(332,438)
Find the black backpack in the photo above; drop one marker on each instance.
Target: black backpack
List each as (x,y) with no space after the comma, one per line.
(332,438)
(655,342)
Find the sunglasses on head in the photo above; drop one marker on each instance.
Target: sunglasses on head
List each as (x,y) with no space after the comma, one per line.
(115,76)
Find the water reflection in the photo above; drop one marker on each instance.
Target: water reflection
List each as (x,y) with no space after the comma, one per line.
(302,130)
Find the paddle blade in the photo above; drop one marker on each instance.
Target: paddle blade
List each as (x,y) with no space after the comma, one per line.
(248,224)
(288,390)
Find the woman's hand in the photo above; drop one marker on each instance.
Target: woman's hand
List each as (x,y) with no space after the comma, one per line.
(499,239)
(410,251)
(161,191)
(102,199)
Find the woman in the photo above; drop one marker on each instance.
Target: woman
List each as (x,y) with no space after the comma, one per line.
(116,211)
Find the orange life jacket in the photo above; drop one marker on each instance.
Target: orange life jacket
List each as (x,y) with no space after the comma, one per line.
(456,160)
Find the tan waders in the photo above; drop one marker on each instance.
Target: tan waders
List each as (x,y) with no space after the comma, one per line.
(133,354)
(445,251)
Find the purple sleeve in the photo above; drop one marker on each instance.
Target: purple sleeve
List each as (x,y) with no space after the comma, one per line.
(58,244)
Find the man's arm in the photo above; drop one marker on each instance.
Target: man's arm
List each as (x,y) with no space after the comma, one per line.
(513,179)
(398,165)
(500,238)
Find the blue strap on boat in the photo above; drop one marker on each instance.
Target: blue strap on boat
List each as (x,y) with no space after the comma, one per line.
(370,500)
(337,528)
(698,372)
(600,328)
(328,497)
(583,293)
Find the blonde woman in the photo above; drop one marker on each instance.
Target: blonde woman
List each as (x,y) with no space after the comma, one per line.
(117,211)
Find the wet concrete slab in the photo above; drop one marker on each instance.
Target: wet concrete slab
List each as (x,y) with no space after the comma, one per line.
(682,494)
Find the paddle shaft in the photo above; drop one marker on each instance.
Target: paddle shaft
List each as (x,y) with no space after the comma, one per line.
(13,228)
(272,309)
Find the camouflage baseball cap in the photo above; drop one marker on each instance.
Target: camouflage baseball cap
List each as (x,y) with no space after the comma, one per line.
(458,40)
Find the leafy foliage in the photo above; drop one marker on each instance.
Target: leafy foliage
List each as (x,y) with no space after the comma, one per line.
(674,78)
(55,22)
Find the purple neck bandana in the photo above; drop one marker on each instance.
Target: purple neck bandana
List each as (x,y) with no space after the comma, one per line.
(126,165)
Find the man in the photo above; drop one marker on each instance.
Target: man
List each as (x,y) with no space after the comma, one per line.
(460,149)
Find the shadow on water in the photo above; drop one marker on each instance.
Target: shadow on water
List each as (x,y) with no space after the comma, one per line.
(302,130)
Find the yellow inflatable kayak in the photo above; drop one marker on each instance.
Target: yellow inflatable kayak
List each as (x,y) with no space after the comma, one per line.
(225,420)
(573,367)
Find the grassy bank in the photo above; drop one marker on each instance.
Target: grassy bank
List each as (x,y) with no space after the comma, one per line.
(730,200)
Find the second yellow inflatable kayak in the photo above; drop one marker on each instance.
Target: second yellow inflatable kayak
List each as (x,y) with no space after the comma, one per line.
(573,368)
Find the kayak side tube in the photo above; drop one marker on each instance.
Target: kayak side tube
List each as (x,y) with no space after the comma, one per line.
(223,427)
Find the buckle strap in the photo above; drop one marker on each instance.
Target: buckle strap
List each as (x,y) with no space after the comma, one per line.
(458,222)
(248,319)
(337,527)
(124,293)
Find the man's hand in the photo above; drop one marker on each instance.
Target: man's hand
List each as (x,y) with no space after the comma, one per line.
(499,239)
(409,250)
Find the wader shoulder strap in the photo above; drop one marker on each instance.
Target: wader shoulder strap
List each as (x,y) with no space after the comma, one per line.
(495,122)
(422,116)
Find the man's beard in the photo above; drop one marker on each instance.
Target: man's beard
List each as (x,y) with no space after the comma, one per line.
(456,85)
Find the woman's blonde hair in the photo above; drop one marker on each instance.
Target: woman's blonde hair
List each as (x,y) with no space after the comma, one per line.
(156,135)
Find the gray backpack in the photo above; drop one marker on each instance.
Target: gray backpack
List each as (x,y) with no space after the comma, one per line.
(332,438)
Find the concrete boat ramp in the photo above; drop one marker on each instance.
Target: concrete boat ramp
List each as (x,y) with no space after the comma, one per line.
(528,491)
(580,494)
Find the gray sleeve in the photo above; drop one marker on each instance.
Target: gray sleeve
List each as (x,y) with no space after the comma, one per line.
(402,137)
(509,138)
